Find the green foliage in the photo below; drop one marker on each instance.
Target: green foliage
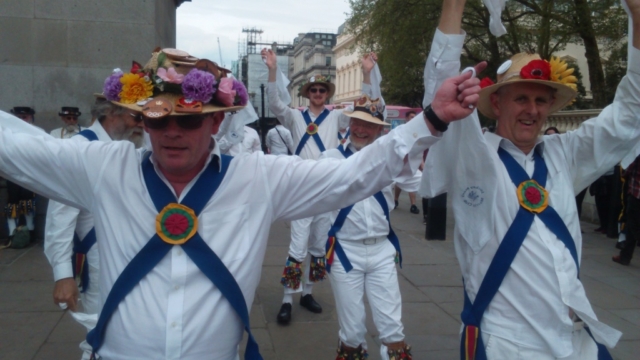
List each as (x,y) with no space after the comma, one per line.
(615,67)
(401,31)
(580,102)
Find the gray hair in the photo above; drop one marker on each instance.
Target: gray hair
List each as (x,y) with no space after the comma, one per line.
(102,108)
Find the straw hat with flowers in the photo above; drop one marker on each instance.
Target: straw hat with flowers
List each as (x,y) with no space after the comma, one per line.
(530,68)
(179,84)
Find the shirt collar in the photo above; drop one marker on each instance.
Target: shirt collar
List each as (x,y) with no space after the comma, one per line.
(102,134)
(496,141)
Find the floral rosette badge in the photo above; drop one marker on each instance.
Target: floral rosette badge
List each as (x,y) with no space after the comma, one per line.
(176,224)
(312,129)
(532,196)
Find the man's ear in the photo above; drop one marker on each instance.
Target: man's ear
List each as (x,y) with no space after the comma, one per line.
(493,99)
(218,117)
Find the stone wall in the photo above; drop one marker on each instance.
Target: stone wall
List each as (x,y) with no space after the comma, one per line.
(58,53)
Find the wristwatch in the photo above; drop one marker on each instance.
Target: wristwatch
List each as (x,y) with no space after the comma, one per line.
(431,116)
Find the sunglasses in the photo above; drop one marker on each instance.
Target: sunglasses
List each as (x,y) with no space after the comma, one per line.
(187,122)
(315,90)
(137,117)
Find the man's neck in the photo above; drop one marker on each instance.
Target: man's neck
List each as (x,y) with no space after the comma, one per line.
(180,180)
(316,109)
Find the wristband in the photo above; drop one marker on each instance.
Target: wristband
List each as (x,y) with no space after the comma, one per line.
(431,116)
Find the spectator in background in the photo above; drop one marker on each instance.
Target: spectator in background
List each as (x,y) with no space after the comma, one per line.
(551,130)
(249,144)
(410,115)
(632,174)
(279,140)
(601,190)
(69,116)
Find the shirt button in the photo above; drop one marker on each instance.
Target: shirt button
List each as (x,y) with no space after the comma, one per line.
(415,135)
(179,252)
(177,287)
(173,324)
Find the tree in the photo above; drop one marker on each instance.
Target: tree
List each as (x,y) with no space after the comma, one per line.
(401,32)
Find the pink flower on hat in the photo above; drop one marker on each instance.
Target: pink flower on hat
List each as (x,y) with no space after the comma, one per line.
(170,75)
(225,94)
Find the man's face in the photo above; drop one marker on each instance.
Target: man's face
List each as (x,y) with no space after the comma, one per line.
(126,126)
(180,151)
(318,95)
(522,110)
(26,117)
(363,133)
(70,120)
(411,116)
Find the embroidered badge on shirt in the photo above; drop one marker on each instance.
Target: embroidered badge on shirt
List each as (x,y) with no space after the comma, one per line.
(312,129)
(473,196)
(532,196)
(176,224)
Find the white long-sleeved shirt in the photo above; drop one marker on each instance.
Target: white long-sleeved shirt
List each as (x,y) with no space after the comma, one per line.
(250,143)
(293,120)
(279,140)
(366,220)
(175,312)
(63,221)
(533,303)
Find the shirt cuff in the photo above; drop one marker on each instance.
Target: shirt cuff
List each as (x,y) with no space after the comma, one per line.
(634,61)
(447,46)
(62,271)
(417,138)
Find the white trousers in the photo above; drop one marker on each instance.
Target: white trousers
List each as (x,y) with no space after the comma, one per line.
(497,348)
(90,303)
(13,223)
(374,272)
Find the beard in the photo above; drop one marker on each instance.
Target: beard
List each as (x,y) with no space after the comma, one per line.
(71,128)
(133,135)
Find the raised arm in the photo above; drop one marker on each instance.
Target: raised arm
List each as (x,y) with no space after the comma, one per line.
(284,113)
(62,170)
(304,188)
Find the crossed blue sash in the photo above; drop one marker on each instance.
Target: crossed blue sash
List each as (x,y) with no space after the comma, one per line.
(342,216)
(346,135)
(506,253)
(89,134)
(82,247)
(196,248)
(316,137)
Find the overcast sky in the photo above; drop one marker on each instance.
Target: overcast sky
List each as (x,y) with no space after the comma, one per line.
(201,22)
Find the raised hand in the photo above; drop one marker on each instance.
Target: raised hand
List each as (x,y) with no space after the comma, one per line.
(269,58)
(458,96)
(368,62)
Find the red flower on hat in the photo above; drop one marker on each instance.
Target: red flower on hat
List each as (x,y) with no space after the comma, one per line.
(533,195)
(486,82)
(536,69)
(136,68)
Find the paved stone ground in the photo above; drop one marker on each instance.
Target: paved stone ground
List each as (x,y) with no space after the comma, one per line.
(32,327)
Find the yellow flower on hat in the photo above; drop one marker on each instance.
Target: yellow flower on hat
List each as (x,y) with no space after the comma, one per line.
(562,73)
(135,88)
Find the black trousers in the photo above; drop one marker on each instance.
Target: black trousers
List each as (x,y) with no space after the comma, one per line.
(633,228)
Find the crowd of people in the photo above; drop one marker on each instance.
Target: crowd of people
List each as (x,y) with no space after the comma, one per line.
(160,219)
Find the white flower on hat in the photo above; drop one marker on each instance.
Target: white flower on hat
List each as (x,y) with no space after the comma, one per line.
(313,79)
(504,67)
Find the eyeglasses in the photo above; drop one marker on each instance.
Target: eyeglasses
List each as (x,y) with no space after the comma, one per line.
(320,90)
(137,117)
(187,122)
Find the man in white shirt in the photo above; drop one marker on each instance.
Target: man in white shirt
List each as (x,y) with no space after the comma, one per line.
(517,234)
(183,230)
(362,252)
(69,241)
(69,115)
(314,130)
(279,141)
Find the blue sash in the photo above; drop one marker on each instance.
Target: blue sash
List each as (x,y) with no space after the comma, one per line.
(471,344)
(346,135)
(89,134)
(82,247)
(333,245)
(79,261)
(199,252)
(307,134)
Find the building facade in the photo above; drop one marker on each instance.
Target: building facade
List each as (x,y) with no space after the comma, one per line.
(312,54)
(348,68)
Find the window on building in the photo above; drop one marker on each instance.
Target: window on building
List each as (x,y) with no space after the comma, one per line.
(317,36)
(324,36)
(328,61)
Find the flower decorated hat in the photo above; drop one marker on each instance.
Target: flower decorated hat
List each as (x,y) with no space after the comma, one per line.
(369,110)
(303,90)
(530,68)
(174,83)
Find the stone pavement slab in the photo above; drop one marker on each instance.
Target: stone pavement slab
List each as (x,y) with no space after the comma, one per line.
(32,327)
